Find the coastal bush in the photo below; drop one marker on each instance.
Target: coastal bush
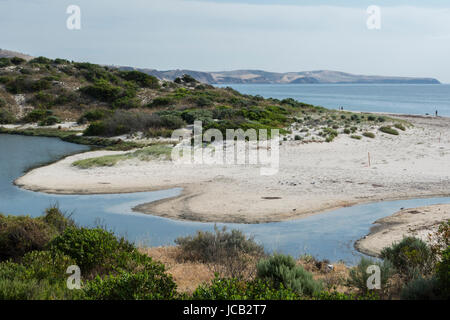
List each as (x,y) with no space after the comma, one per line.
(23,84)
(229,253)
(443,274)
(400,126)
(369,135)
(196,115)
(22,234)
(160,102)
(422,288)
(6,117)
(17,61)
(60,221)
(90,248)
(358,275)
(93,115)
(36,115)
(236,289)
(5,62)
(411,257)
(96,128)
(50,265)
(49,121)
(126,102)
(152,283)
(103,91)
(40,60)
(281,270)
(347,131)
(140,78)
(356,137)
(389,130)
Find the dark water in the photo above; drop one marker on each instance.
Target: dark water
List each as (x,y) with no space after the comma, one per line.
(329,235)
(389,98)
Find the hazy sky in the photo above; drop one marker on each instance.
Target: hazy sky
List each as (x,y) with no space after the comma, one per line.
(272,35)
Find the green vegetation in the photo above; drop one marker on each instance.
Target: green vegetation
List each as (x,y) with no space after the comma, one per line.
(116,102)
(369,135)
(410,257)
(282,272)
(156,151)
(359,275)
(226,253)
(389,130)
(356,137)
(36,252)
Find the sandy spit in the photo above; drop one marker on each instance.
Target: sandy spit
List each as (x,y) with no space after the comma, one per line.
(416,222)
(312,177)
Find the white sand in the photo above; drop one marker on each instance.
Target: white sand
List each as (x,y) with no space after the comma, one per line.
(312,177)
(417,222)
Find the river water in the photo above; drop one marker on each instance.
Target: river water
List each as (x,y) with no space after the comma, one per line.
(329,235)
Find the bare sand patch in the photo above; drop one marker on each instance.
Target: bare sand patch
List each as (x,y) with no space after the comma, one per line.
(415,222)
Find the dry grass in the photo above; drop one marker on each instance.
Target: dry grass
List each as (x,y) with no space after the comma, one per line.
(189,275)
(333,279)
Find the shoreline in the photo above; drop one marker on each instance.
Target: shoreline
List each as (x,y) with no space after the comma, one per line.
(313,178)
(417,222)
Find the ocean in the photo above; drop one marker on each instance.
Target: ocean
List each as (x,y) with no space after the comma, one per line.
(418,99)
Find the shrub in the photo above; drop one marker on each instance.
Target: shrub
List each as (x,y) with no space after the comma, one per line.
(235,289)
(5,62)
(389,130)
(297,137)
(122,122)
(411,257)
(46,265)
(126,102)
(32,289)
(17,61)
(371,118)
(140,78)
(40,60)
(6,117)
(421,289)
(90,248)
(54,217)
(281,270)
(24,84)
(400,126)
(356,137)
(229,253)
(196,115)
(152,283)
(97,128)
(358,276)
(347,131)
(102,90)
(19,235)
(369,135)
(36,115)
(443,274)
(49,121)
(92,115)
(160,102)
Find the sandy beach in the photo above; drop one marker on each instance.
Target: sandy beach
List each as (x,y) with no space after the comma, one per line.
(312,177)
(415,222)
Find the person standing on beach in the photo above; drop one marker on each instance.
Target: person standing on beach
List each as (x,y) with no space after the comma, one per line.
(436,113)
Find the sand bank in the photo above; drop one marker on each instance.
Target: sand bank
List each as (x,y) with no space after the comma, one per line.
(312,177)
(416,222)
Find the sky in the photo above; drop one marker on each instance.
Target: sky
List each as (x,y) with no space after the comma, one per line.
(217,35)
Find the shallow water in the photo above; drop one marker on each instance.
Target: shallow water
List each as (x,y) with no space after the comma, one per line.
(388,98)
(328,235)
